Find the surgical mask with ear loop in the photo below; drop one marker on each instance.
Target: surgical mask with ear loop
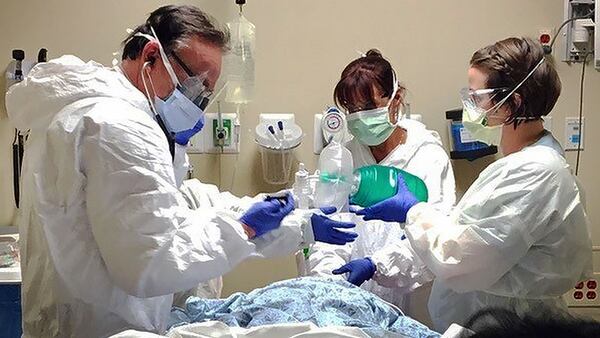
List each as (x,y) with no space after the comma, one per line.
(476,118)
(183,111)
(372,127)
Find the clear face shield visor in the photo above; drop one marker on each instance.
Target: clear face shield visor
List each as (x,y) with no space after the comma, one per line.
(193,87)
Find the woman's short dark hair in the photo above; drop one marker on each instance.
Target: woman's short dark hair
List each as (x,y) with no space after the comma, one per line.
(174,25)
(360,77)
(544,323)
(506,63)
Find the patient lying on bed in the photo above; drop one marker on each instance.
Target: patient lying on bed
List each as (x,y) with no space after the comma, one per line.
(320,301)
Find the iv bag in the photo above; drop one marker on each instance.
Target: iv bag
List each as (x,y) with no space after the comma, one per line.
(336,179)
(239,62)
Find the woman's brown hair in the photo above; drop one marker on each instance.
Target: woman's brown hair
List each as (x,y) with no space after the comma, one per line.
(355,89)
(506,63)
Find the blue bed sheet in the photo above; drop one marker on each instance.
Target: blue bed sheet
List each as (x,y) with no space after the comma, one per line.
(321,301)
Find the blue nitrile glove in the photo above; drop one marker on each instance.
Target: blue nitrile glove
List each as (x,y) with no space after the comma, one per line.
(393,209)
(358,270)
(328,210)
(327,230)
(183,137)
(267,215)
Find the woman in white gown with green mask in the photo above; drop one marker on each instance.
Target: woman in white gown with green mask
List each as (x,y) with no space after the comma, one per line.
(371,95)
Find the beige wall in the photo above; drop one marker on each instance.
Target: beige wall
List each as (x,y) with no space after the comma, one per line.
(88,29)
(302,47)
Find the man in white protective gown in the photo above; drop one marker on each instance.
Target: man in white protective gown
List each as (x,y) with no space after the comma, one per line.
(107,237)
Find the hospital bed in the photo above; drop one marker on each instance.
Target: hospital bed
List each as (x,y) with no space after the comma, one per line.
(301,307)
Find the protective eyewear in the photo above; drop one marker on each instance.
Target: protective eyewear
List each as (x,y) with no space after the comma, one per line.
(193,87)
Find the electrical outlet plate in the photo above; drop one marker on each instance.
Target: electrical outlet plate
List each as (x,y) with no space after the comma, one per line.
(545,36)
(572,133)
(585,294)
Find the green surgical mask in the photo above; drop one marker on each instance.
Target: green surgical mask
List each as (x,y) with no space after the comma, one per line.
(371,127)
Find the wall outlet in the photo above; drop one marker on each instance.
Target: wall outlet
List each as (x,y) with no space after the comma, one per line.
(573,134)
(545,36)
(585,293)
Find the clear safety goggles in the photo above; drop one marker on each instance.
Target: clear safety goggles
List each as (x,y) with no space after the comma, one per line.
(479,104)
(482,98)
(482,103)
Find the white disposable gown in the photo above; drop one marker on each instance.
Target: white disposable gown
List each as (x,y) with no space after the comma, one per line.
(107,238)
(517,239)
(200,195)
(422,155)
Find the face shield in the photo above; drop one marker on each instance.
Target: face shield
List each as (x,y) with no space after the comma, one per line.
(182,113)
(194,86)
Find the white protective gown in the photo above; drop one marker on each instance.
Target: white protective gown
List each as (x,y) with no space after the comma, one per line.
(106,237)
(518,239)
(422,155)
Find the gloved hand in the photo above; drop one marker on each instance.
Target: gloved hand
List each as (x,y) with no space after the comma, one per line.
(359,270)
(267,215)
(327,230)
(393,209)
(183,137)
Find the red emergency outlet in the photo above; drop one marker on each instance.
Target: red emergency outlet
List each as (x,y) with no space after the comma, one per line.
(578,295)
(591,295)
(545,39)
(592,284)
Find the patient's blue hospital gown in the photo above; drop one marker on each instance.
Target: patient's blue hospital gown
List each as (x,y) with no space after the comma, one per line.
(321,301)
